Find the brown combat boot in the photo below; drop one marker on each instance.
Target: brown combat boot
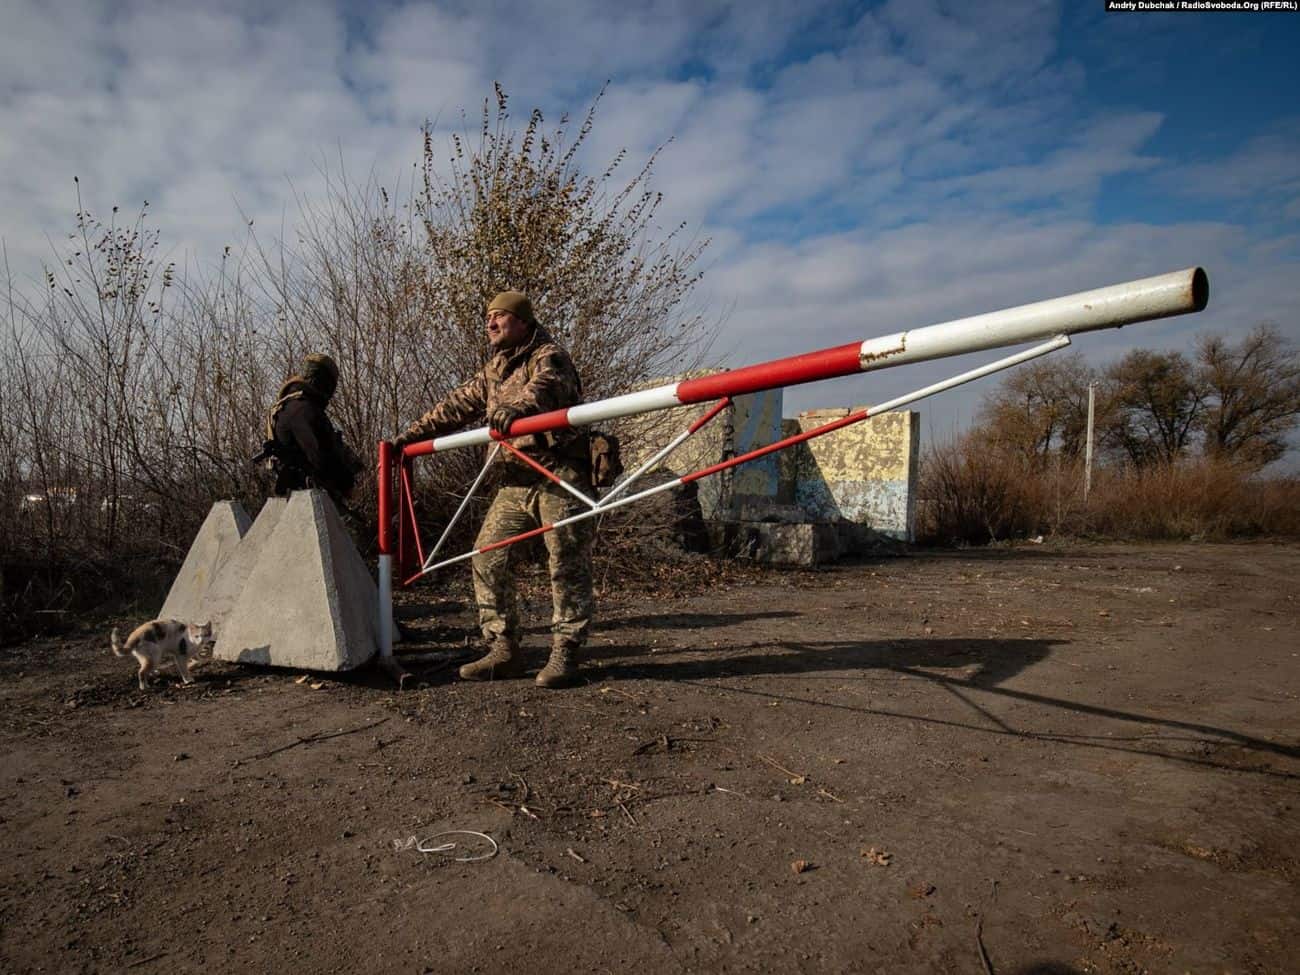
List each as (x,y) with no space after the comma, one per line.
(562,669)
(503,660)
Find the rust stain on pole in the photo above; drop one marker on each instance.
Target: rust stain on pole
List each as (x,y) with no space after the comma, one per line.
(899,349)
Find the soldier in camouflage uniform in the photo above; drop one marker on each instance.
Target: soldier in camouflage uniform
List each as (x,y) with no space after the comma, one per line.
(301,443)
(527,374)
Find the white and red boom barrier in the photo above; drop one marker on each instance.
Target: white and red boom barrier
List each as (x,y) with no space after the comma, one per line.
(1050,322)
(1175,293)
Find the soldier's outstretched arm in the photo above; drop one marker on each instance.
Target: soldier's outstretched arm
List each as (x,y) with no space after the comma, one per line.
(462,404)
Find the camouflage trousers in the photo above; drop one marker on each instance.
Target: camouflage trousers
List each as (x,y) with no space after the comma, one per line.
(520,509)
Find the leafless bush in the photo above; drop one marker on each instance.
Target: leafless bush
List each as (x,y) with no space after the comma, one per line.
(972,494)
(135,392)
(89,414)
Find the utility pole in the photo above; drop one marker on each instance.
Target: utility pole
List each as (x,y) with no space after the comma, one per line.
(1087,449)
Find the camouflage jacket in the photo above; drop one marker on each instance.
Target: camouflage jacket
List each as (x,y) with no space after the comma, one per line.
(535,377)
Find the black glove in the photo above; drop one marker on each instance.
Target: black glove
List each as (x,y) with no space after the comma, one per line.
(501,418)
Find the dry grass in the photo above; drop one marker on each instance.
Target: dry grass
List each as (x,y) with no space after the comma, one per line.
(973,495)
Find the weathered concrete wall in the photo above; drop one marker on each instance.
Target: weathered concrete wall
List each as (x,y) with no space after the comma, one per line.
(756,422)
(803,544)
(865,473)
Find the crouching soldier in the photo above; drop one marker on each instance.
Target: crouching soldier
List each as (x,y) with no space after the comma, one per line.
(528,373)
(301,443)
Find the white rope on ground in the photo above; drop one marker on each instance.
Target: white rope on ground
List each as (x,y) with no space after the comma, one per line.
(422,846)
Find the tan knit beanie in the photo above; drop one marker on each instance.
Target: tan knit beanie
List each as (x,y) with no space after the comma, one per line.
(515,302)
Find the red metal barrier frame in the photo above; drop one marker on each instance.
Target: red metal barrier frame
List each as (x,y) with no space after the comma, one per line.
(667,485)
(406,514)
(406,505)
(606,504)
(550,475)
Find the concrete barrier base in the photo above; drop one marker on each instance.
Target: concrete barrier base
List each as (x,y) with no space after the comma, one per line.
(807,544)
(308,601)
(229,583)
(214,545)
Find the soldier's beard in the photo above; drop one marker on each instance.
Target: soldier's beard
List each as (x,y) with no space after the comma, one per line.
(503,341)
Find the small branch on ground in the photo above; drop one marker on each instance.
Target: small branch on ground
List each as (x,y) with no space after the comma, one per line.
(145,961)
(524,798)
(622,785)
(782,768)
(665,742)
(570,707)
(310,739)
(630,818)
(979,943)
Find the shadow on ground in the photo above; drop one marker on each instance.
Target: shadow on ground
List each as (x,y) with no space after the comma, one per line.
(994,662)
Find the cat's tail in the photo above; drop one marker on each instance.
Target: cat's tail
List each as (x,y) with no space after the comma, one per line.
(118,651)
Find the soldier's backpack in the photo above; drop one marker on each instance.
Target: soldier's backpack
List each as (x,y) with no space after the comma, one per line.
(271,454)
(281,459)
(606,461)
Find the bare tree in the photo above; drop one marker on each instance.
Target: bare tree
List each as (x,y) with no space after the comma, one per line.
(1041,407)
(1252,392)
(517,212)
(1156,404)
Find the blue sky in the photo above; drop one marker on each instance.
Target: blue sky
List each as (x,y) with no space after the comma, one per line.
(860,168)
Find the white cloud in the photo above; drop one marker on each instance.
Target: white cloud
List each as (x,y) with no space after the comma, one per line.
(928,160)
(829,291)
(980,44)
(1264,168)
(421,63)
(1106,148)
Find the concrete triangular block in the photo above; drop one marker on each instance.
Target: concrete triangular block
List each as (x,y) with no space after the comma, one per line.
(234,572)
(216,542)
(309,600)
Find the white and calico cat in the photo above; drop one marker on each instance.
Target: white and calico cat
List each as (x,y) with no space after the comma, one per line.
(151,641)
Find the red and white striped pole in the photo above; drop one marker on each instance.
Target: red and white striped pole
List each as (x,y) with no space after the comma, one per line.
(384,624)
(385,488)
(1175,293)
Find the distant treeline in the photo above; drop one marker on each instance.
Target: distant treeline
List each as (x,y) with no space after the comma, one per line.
(1181,449)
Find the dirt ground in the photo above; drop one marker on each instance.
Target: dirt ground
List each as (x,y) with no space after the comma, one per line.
(1074,759)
